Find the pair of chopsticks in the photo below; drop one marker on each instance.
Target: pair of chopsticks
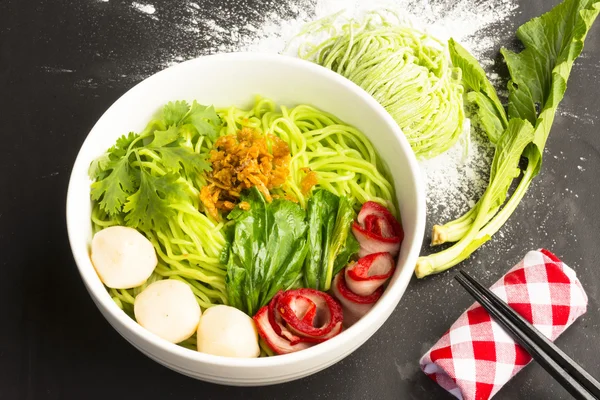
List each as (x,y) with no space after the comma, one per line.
(569,374)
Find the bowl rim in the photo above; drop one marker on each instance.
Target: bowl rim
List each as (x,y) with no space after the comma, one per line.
(355,334)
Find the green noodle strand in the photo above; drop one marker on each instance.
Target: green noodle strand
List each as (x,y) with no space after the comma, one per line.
(407,71)
(344,160)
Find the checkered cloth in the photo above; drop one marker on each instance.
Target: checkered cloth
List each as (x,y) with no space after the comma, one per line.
(476,357)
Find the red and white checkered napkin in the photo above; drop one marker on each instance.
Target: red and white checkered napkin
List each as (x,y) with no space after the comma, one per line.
(476,357)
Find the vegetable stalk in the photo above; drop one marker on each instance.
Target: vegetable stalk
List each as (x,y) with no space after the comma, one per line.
(518,135)
(538,83)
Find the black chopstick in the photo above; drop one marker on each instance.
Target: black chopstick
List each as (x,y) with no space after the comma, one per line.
(577,381)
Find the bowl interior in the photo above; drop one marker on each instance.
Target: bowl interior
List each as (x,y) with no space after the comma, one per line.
(234,79)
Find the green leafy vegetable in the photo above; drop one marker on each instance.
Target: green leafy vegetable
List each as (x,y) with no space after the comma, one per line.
(331,244)
(347,253)
(278,246)
(488,113)
(487,110)
(268,248)
(322,209)
(538,83)
(504,169)
(344,245)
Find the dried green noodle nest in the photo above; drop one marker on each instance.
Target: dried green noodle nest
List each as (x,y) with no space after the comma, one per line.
(407,71)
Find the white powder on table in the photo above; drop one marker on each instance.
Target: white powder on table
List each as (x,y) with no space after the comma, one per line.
(454,183)
(458,177)
(475,24)
(144,8)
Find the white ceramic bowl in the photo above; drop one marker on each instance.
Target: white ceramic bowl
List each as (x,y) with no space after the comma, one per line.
(229,79)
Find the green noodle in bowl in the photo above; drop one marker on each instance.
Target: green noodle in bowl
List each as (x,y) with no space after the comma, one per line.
(160,164)
(190,248)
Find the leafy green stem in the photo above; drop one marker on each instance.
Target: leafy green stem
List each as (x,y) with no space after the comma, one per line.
(500,218)
(446,259)
(513,142)
(455,230)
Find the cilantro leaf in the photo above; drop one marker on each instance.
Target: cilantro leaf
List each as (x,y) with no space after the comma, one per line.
(122,145)
(123,185)
(205,119)
(98,166)
(163,138)
(112,191)
(174,112)
(174,158)
(149,207)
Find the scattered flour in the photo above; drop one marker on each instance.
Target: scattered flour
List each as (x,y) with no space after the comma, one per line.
(55,70)
(456,179)
(144,8)
(585,117)
(202,27)
(476,24)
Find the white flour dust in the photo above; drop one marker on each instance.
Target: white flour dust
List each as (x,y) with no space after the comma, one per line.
(145,8)
(458,177)
(585,117)
(476,24)
(454,182)
(55,70)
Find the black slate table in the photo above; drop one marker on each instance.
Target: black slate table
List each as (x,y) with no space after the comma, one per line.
(54,344)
